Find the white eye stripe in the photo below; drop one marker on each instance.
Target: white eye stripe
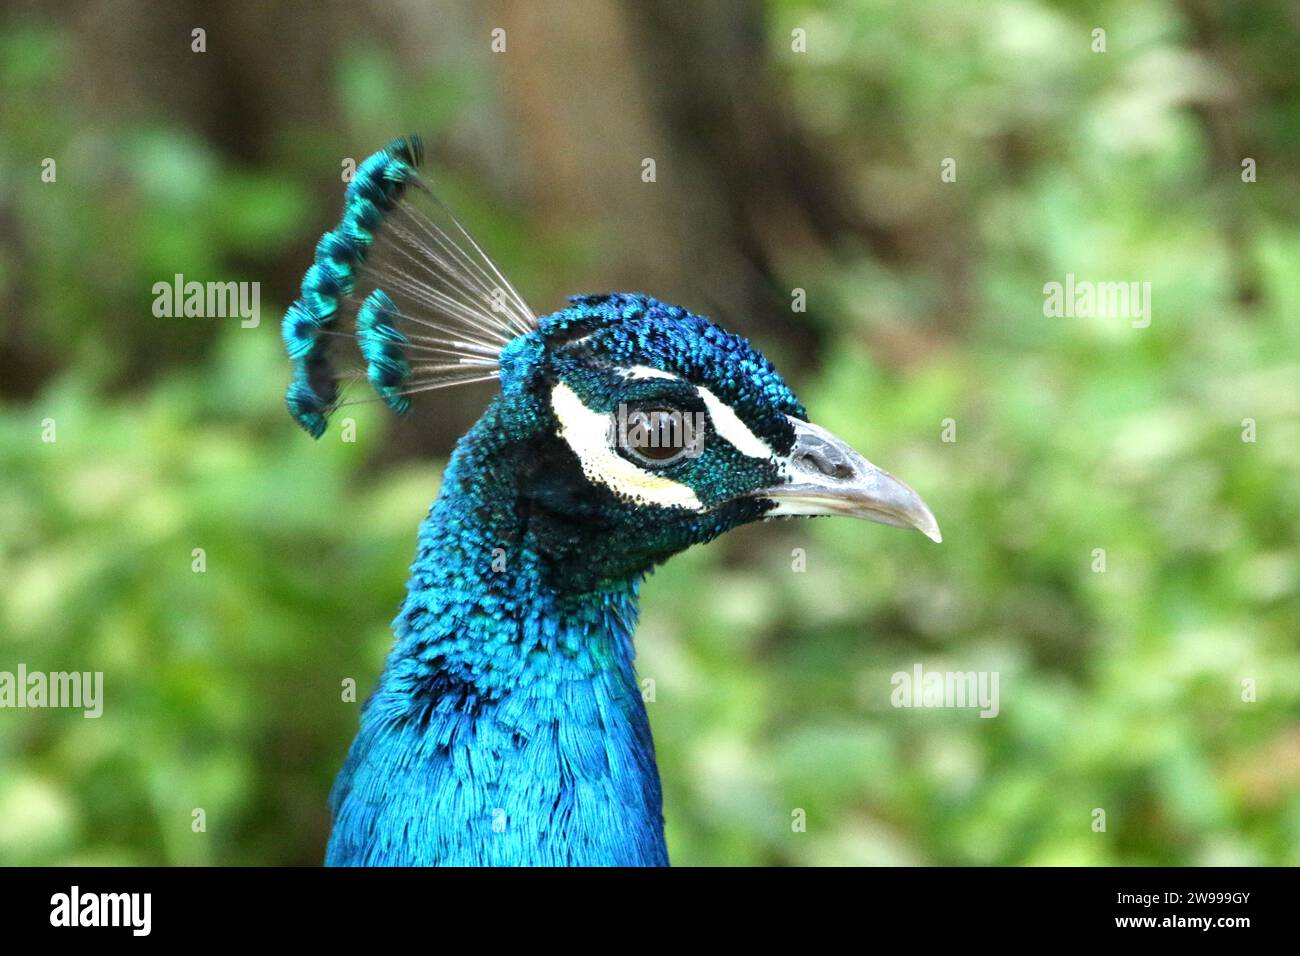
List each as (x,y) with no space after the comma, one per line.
(725,421)
(646,371)
(728,424)
(587,433)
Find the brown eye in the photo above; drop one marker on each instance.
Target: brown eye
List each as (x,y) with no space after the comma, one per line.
(659,435)
(664,434)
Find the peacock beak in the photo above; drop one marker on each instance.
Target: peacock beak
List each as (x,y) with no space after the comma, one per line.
(827,477)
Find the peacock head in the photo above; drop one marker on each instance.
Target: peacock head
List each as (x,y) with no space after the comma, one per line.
(629,429)
(642,428)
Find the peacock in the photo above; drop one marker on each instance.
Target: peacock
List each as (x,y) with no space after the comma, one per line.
(508,727)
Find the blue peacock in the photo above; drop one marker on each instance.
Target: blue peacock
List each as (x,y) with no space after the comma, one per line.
(508,727)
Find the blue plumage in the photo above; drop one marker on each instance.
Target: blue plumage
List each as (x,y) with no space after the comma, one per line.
(508,727)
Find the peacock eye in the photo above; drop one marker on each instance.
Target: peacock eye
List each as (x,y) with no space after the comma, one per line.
(658,435)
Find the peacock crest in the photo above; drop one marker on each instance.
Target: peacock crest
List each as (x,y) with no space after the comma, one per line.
(402,278)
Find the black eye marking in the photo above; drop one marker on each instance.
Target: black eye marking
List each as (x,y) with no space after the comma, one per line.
(657,434)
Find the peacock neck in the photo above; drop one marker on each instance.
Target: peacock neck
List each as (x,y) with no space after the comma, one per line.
(508,726)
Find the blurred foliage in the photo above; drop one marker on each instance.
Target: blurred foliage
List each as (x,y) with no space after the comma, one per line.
(1120,690)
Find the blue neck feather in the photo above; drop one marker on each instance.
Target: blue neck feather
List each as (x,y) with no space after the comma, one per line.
(508,727)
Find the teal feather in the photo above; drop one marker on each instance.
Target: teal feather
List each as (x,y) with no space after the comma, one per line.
(299,330)
(382,347)
(378,184)
(310,395)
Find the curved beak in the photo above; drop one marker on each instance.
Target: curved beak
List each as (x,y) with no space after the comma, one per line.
(827,477)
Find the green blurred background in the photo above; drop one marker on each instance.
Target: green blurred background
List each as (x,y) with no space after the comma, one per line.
(776,170)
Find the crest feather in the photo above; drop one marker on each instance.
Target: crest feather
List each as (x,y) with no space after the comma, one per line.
(403,278)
